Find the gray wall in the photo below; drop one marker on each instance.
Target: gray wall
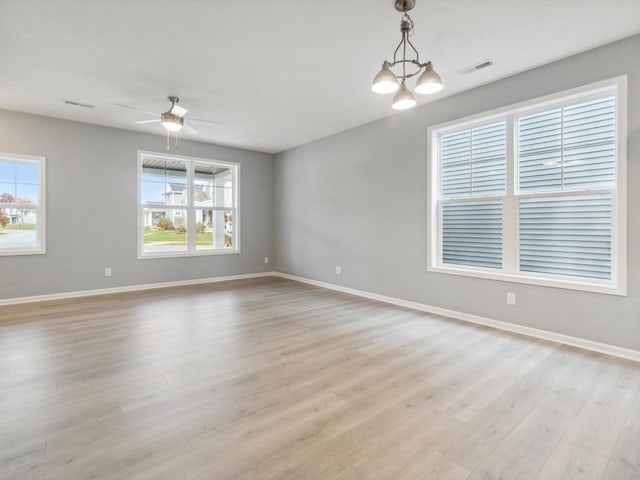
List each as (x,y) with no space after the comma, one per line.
(92,213)
(358,199)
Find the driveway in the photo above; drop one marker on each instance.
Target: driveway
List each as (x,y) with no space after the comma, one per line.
(17,239)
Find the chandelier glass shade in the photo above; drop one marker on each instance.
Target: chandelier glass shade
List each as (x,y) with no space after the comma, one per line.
(387,81)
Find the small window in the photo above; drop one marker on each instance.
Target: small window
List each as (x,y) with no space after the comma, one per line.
(188,206)
(534,193)
(22,199)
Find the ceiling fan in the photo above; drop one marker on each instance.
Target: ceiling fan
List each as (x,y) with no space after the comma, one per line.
(173,119)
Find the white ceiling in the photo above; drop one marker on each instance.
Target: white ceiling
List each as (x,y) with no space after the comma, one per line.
(278,73)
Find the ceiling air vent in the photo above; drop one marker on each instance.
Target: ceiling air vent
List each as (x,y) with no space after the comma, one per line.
(478,66)
(78,104)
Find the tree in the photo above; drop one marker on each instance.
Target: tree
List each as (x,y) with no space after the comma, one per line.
(6,197)
(164,223)
(4,218)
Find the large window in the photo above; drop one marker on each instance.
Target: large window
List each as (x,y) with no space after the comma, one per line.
(187,206)
(535,192)
(22,211)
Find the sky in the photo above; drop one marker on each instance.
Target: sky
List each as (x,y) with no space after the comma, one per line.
(20,179)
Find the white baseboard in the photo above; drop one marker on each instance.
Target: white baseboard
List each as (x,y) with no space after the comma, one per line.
(467,317)
(129,288)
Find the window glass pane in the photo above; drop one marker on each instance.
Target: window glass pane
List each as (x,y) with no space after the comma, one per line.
(540,151)
(214,228)
(164,230)
(7,172)
(472,233)
(566,235)
(589,144)
(213,186)
(27,173)
(474,161)
(19,187)
(192,198)
(204,228)
(7,192)
(164,182)
(571,147)
(18,228)
(153,192)
(27,193)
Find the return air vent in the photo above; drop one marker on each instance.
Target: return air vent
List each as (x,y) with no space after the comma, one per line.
(478,66)
(78,104)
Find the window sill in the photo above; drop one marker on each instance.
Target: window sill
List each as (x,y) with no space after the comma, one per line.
(532,279)
(199,253)
(11,253)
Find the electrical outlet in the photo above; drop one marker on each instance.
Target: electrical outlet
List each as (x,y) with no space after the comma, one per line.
(107,272)
(511,298)
(266,259)
(338,270)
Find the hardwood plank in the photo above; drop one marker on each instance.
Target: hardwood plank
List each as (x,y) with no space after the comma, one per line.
(624,461)
(587,445)
(271,379)
(540,431)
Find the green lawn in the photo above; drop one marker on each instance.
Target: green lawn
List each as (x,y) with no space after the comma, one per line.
(175,237)
(20,226)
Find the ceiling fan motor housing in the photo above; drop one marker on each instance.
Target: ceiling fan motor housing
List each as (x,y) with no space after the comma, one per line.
(171,118)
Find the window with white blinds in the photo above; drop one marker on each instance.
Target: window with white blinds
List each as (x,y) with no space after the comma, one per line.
(472,233)
(534,193)
(473,162)
(473,165)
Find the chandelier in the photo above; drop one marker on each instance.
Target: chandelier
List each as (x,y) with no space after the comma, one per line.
(386,81)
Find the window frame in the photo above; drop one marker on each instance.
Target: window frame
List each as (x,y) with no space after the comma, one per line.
(40,207)
(510,271)
(189,207)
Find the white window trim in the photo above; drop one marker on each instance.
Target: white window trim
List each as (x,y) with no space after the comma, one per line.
(190,208)
(40,207)
(618,284)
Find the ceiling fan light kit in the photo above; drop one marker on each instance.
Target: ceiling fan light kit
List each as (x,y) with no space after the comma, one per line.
(171,122)
(173,119)
(386,81)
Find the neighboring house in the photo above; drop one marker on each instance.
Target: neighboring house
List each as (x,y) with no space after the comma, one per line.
(208,195)
(174,195)
(17,215)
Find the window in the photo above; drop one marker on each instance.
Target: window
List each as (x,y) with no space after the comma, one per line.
(22,197)
(187,206)
(534,193)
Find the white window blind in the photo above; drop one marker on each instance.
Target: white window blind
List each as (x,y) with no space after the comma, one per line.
(566,235)
(472,233)
(473,165)
(532,193)
(569,147)
(473,162)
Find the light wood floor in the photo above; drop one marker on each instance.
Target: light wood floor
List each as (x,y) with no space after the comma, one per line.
(271,379)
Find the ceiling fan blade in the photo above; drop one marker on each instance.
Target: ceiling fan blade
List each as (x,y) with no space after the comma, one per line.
(178,110)
(155,120)
(207,122)
(189,129)
(137,109)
